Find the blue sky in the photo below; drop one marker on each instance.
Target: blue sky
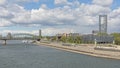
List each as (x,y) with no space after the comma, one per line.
(115,4)
(57,16)
(50,4)
(36,5)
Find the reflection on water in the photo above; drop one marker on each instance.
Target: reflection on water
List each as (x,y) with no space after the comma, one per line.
(11,41)
(20,55)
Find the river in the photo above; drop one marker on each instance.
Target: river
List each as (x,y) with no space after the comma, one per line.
(20,55)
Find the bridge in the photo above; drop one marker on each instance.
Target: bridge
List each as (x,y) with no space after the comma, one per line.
(19,36)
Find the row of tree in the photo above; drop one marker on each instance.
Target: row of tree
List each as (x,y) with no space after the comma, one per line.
(78,39)
(71,39)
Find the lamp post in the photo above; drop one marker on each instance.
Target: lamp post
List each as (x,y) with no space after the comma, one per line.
(95,42)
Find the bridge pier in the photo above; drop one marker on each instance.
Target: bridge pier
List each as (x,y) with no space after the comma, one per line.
(5,42)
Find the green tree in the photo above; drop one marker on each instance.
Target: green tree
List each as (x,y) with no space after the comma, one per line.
(74,39)
(63,39)
(70,39)
(102,34)
(116,38)
(78,39)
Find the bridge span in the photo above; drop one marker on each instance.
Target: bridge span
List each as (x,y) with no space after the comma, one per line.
(19,36)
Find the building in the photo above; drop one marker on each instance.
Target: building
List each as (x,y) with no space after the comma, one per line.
(74,35)
(9,36)
(68,35)
(0,36)
(103,24)
(90,38)
(100,36)
(40,33)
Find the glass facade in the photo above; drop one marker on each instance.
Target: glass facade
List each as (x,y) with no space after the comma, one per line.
(103,24)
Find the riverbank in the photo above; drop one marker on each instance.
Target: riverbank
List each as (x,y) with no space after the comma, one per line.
(84,49)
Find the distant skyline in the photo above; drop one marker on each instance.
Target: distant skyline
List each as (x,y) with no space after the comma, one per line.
(57,16)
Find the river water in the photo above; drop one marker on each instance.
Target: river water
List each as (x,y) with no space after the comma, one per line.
(20,55)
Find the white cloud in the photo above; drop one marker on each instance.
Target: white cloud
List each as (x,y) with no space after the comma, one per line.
(60,2)
(66,2)
(103,2)
(81,14)
(51,17)
(2,2)
(70,14)
(115,13)
(5,22)
(114,20)
(45,32)
(54,31)
(20,31)
(22,1)
(94,9)
(21,16)
(44,6)
(3,12)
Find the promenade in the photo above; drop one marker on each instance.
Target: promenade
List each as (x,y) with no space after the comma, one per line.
(84,49)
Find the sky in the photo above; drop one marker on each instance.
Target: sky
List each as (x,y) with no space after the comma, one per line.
(57,16)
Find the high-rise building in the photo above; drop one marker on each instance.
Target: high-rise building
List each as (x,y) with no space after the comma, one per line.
(103,24)
(0,36)
(39,33)
(9,35)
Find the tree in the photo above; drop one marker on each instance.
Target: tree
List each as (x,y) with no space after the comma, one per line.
(63,39)
(74,39)
(70,39)
(116,38)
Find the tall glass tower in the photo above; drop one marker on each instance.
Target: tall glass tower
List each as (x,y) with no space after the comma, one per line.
(103,24)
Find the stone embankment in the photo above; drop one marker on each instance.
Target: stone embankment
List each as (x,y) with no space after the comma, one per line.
(87,49)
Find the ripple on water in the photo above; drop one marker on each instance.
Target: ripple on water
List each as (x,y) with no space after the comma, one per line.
(32,56)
